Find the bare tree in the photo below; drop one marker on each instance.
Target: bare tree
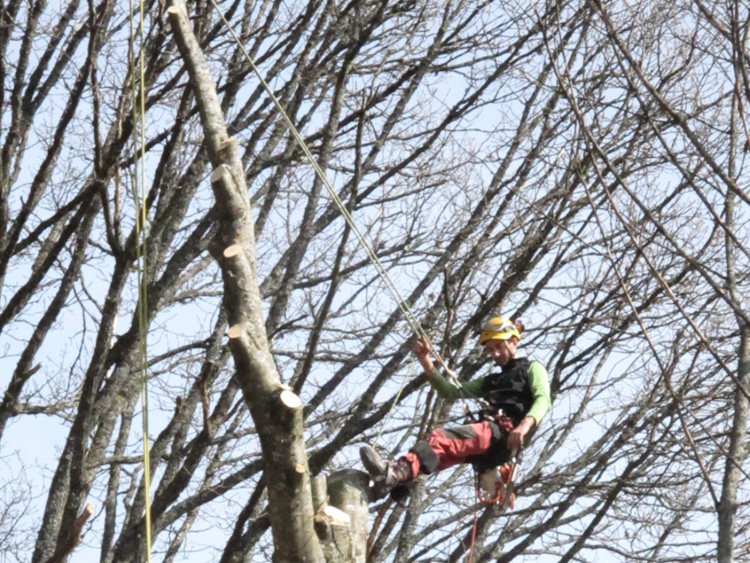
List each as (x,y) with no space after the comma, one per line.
(578,164)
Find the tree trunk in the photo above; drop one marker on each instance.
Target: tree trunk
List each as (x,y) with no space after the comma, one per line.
(276,411)
(736,456)
(342,519)
(738,450)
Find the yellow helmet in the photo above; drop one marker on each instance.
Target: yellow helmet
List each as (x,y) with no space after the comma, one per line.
(498,328)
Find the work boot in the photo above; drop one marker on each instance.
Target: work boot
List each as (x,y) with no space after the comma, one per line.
(375,465)
(385,475)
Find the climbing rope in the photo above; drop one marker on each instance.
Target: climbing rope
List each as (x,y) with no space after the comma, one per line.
(139,105)
(474,529)
(402,305)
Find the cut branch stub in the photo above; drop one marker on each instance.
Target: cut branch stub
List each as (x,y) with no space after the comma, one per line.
(342,522)
(236,331)
(232,251)
(337,517)
(290,399)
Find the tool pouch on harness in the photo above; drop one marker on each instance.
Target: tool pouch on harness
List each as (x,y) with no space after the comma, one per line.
(494,483)
(486,414)
(497,454)
(504,423)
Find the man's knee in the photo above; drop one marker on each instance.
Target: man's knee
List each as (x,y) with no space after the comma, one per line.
(428,460)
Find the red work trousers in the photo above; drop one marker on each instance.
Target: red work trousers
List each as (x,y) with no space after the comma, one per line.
(483,444)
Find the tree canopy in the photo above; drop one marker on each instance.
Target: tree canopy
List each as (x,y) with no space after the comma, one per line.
(577,164)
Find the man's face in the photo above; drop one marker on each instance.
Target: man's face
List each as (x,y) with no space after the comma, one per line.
(501,351)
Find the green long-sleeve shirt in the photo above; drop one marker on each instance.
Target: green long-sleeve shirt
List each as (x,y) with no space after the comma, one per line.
(538,381)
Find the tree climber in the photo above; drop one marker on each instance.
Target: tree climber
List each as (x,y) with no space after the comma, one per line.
(518,397)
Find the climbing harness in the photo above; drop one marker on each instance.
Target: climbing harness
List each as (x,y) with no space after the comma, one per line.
(141,215)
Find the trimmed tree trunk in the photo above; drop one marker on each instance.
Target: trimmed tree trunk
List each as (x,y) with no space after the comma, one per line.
(339,514)
(279,422)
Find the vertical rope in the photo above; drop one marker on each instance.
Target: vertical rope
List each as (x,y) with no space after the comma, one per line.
(139,106)
(476,518)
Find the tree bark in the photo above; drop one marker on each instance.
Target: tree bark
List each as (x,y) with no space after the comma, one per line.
(738,449)
(279,423)
(347,492)
(727,509)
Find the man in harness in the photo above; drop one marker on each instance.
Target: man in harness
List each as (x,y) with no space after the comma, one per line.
(518,397)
